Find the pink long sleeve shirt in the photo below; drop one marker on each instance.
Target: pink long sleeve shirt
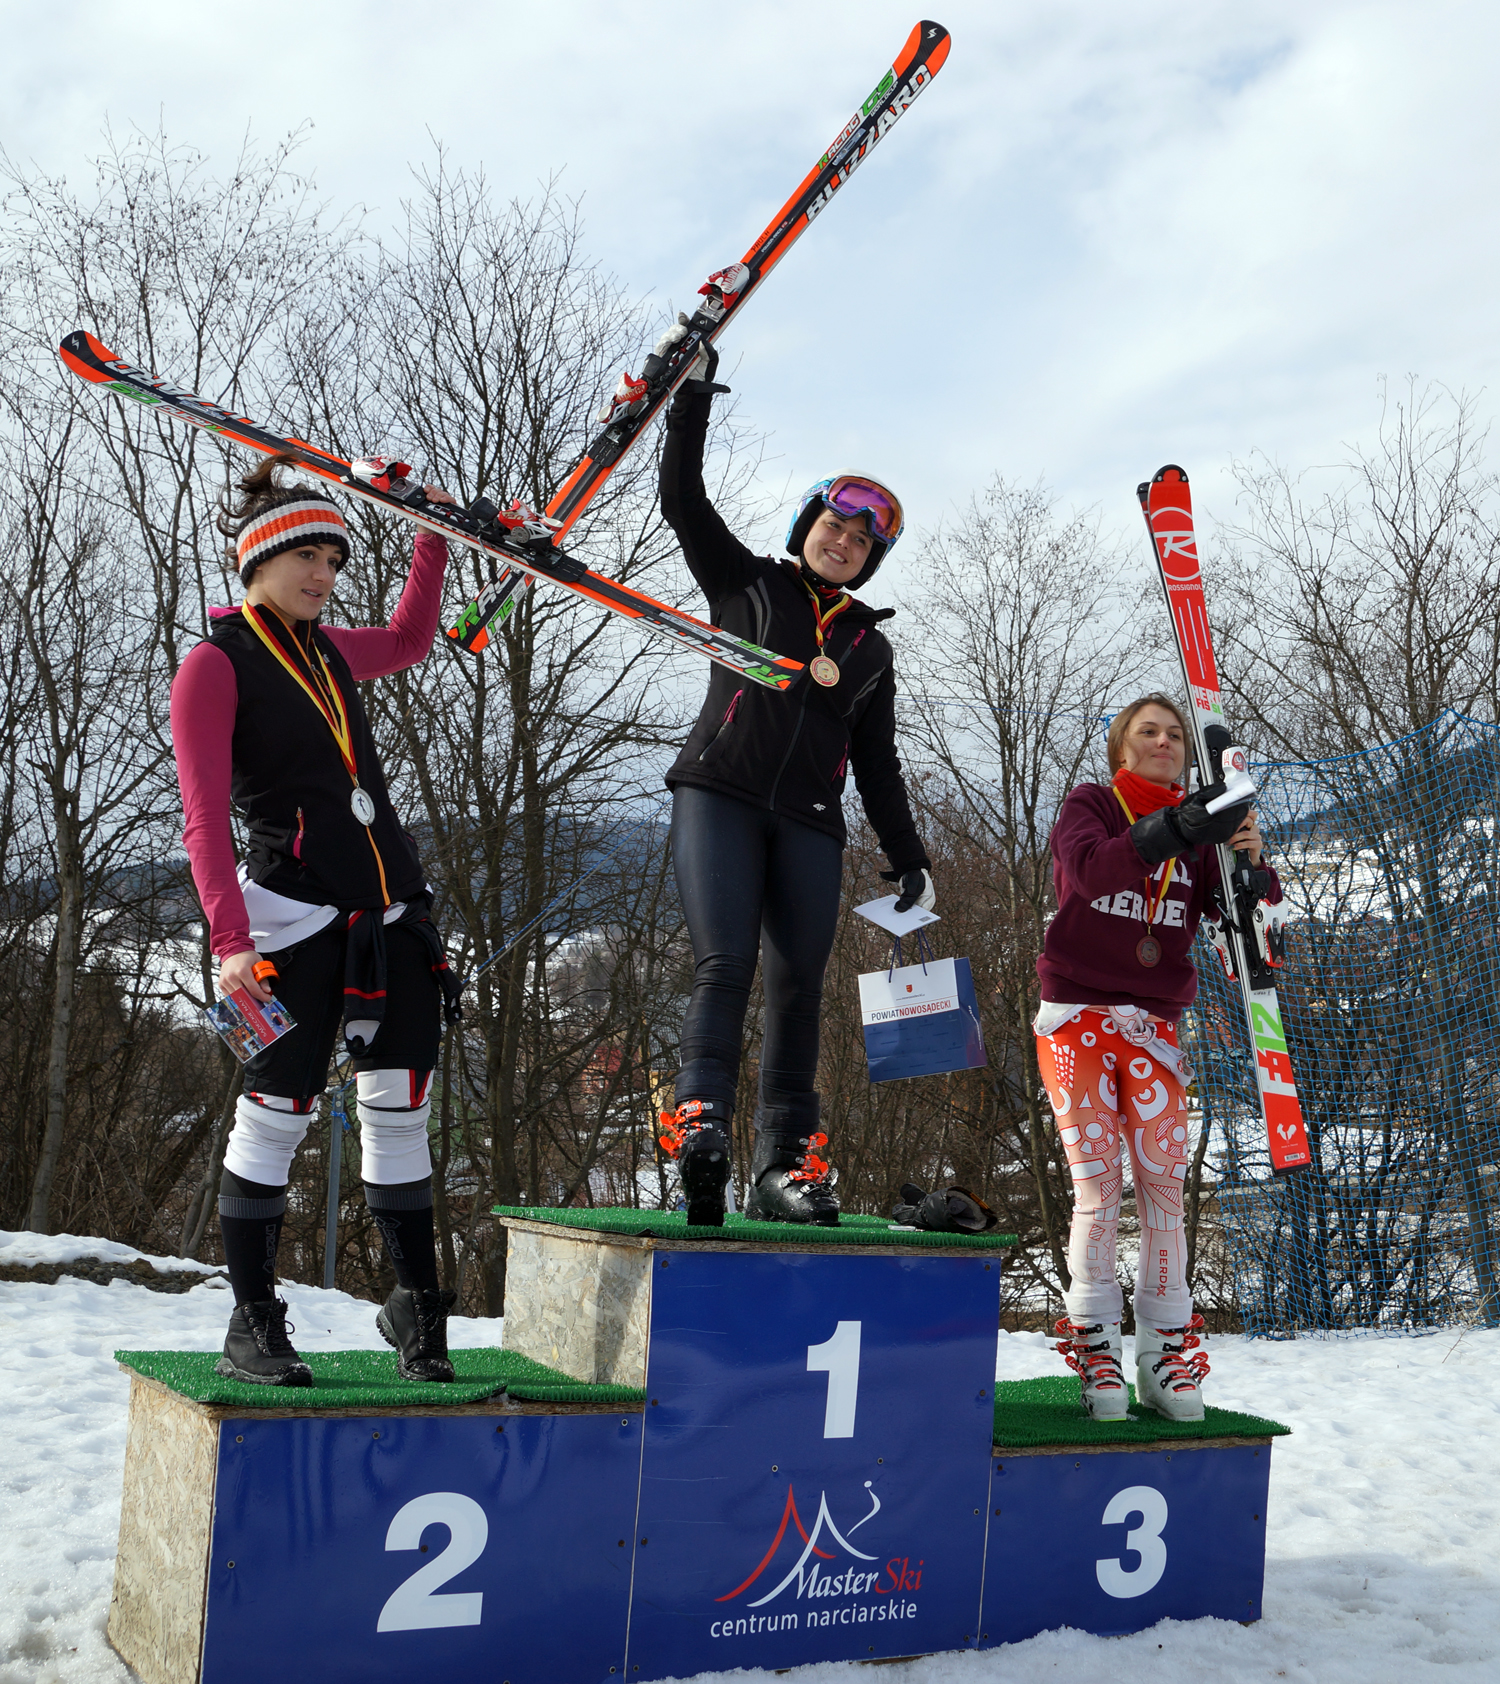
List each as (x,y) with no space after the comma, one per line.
(205,700)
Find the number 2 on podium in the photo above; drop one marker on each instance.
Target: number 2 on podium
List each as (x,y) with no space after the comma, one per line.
(838,1358)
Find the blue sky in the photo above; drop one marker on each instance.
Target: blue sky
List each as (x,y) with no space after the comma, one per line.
(1110,235)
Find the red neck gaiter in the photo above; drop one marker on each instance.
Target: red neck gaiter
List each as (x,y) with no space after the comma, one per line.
(1142,796)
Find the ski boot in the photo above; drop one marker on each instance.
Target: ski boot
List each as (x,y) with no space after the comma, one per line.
(1095,1351)
(696,1136)
(256,1347)
(1166,1379)
(790,1182)
(416,1323)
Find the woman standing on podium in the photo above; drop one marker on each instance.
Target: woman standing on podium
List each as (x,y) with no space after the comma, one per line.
(328,913)
(757,820)
(1134,865)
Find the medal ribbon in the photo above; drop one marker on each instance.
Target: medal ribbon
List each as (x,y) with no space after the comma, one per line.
(1166,877)
(328,699)
(822,621)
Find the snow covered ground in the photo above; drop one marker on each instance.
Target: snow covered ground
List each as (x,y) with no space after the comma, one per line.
(1384,1540)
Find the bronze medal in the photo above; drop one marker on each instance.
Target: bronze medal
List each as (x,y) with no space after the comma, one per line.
(1148,951)
(825,671)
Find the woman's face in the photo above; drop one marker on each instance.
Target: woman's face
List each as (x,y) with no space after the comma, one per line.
(836,549)
(296,583)
(1154,746)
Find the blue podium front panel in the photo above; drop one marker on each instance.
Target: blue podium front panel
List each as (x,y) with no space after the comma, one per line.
(1114,1542)
(414,1547)
(816,1464)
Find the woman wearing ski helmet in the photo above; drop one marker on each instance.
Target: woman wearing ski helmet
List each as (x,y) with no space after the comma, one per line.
(757,822)
(328,912)
(1134,864)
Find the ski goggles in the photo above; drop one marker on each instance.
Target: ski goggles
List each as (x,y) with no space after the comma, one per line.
(855,494)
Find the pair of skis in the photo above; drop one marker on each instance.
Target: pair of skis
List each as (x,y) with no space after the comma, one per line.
(522,544)
(1247,934)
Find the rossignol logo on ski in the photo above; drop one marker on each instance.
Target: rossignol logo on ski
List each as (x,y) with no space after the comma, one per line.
(831,1580)
(1179,558)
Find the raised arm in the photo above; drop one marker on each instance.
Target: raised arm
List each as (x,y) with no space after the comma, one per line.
(376,651)
(718,560)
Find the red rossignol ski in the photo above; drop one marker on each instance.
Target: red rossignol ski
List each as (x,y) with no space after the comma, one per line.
(1248,935)
(637,402)
(518,540)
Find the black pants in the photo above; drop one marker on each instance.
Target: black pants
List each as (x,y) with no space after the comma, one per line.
(310,984)
(752,880)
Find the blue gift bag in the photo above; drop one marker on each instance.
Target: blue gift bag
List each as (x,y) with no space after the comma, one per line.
(921,1020)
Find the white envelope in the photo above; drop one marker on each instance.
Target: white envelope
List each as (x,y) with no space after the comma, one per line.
(883,913)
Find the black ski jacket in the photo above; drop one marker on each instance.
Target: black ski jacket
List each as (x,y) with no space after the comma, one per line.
(792,750)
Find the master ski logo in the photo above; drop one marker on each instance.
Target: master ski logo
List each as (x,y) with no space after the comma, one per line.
(834,1585)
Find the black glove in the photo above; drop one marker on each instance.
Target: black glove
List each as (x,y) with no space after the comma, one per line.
(1171,831)
(916,889)
(952,1211)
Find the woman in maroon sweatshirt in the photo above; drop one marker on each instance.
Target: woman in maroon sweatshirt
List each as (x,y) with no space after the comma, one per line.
(1134,864)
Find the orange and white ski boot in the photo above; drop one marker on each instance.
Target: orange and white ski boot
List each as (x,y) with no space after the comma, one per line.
(1095,1352)
(1167,1379)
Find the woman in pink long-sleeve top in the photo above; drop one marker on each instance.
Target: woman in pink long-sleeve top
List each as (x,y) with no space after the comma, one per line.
(266,718)
(1134,862)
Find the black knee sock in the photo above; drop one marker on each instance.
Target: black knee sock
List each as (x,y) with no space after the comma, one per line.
(403,1214)
(250,1217)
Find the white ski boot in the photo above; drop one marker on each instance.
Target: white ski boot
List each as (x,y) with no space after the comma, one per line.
(1166,1378)
(1095,1352)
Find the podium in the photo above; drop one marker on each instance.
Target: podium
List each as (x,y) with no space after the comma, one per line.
(813,1465)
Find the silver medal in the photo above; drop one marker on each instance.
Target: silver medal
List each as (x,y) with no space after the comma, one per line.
(363,805)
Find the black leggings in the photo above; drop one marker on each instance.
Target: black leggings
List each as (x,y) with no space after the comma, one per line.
(750,879)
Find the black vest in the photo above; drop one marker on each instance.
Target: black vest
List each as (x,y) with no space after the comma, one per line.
(291,784)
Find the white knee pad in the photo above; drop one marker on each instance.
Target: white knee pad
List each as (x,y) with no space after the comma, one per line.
(266,1134)
(394,1106)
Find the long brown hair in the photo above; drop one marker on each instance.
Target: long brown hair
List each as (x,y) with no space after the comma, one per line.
(1115,742)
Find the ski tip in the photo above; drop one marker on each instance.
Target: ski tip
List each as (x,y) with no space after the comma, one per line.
(86,356)
(1179,475)
(928,41)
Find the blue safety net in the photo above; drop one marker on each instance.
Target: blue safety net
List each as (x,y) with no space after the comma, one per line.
(1389,861)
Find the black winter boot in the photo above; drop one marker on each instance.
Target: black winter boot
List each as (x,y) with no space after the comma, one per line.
(790,1181)
(696,1134)
(416,1323)
(257,1349)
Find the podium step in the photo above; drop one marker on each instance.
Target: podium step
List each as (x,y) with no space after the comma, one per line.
(1040,1413)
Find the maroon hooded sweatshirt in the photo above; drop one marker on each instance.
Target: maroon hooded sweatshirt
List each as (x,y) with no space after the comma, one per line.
(1088,957)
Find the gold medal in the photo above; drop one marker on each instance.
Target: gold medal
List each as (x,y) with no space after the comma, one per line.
(825,670)
(1148,951)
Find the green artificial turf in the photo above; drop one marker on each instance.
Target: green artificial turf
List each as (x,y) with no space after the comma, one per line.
(674,1225)
(368,1380)
(1047,1411)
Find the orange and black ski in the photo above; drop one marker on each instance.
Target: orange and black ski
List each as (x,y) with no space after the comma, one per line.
(520,548)
(919,60)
